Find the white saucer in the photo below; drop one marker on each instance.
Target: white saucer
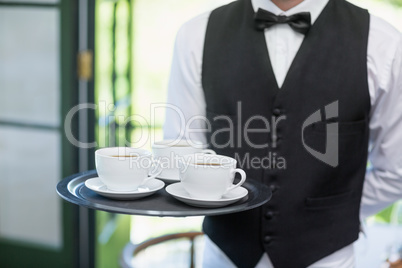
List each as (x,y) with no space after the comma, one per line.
(150,187)
(178,192)
(168,179)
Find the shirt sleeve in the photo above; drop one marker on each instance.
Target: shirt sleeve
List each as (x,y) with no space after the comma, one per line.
(185,107)
(383,183)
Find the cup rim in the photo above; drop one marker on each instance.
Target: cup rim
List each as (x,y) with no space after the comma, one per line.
(142,152)
(169,143)
(226,164)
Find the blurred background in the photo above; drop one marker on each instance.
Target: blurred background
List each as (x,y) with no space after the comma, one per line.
(112,58)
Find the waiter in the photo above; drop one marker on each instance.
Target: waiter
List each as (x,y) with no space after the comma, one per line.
(316,84)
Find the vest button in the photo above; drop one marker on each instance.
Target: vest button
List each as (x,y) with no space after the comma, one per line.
(277,112)
(267,239)
(269,215)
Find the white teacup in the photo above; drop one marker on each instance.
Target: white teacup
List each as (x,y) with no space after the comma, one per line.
(124,169)
(167,152)
(209,177)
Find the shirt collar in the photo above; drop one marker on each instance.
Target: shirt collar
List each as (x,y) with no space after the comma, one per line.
(315,7)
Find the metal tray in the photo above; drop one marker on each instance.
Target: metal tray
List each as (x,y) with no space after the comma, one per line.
(73,190)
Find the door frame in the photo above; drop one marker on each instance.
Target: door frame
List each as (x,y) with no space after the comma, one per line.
(78,225)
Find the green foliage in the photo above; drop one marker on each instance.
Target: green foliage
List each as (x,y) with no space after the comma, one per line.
(395,2)
(385,215)
(112,234)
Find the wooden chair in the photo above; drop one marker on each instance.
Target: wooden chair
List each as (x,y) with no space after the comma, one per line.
(131,251)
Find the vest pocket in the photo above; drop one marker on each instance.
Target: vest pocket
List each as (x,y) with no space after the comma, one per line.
(346,143)
(328,201)
(344,128)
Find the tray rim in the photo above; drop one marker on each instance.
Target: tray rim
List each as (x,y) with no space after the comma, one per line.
(70,185)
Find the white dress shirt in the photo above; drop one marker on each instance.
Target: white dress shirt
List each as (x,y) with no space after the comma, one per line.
(383,183)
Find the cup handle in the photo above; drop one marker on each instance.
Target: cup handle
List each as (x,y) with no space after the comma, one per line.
(243,179)
(157,168)
(208,151)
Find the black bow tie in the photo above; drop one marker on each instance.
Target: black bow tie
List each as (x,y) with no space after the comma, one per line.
(300,22)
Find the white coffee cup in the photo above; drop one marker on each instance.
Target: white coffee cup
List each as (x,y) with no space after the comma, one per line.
(167,152)
(209,177)
(124,169)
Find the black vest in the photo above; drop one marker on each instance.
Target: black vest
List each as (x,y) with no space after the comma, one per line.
(314,210)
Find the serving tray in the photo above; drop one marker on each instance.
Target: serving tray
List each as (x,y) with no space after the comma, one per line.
(73,190)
